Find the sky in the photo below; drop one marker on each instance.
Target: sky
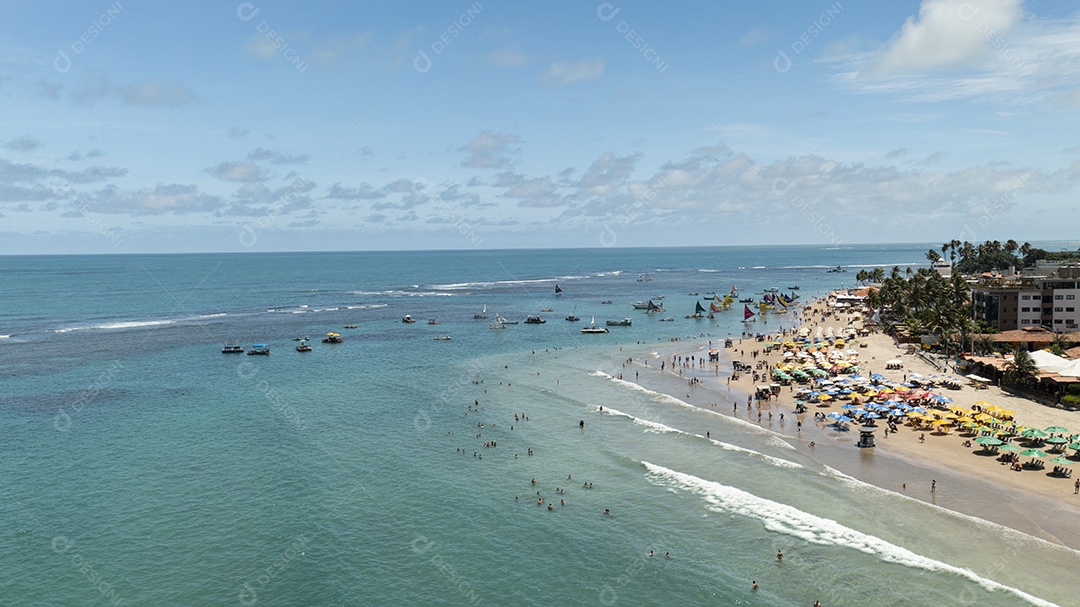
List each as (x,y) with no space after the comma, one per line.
(129,127)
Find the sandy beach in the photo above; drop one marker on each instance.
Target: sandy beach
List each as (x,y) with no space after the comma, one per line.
(965,479)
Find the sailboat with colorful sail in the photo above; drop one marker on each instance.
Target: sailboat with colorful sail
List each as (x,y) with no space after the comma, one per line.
(747,313)
(699,312)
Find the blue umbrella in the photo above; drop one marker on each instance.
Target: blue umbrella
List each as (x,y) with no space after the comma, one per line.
(844,418)
(835,415)
(872,415)
(831,392)
(943,399)
(858,412)
(898,412)
(846,391)
(850,406)
(918,409)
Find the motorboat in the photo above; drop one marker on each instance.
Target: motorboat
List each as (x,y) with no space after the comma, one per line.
(835,270)
(592,328)
(432,321)
(642,305)
(333,338)
(408,319)
(534,319)
(668,319)
(795,288)
(233,348)
(626,322)
(303,347)
(572,318)
(606,301)
(443,338)
(350,326)
(694,294)
(548,310)
(300,339)
(259,350)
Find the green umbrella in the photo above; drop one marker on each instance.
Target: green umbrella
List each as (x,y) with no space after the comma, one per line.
(1057,430)
(989,441)
(1034,433)
(1033,453)
(1011,447)
(1061,460)
(1075,445)
(1057,440)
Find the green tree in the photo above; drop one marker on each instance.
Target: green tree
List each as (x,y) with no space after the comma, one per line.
(1021,370)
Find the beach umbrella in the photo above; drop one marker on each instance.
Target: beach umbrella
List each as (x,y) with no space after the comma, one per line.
(986,404)
(1057,440)
(835,415)
(1011,447)
(1075,445)
(872,415)
(1057,430)
(1033,453)
(941,422)
(989,441)
(1061,460)
(1034,433)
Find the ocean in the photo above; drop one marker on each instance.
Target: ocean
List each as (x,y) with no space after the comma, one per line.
(140,465)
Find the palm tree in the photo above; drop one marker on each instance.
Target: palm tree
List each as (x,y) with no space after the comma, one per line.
(983,345)
(933,256)
(1061,342)
(1021,370)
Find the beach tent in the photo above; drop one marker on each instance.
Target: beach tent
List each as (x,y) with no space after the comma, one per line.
(1070,370)
(1046,361)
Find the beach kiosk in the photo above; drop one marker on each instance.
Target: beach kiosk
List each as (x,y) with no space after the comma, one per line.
(866,436)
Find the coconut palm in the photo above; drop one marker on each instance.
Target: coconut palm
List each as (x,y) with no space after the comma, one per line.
(1021,370)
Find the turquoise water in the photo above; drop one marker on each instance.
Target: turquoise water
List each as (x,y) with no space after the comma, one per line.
(141,466)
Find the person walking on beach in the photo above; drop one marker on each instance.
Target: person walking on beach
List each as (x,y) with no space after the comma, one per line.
(933,486)
(1076,487)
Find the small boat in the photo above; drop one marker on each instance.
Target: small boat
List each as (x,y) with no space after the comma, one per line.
(432,321)
(443,338)
(233,348)
(499,320)
(481,315)
(259,350)
(771,290)
(606,301)
(694,294)
(795,288)
(548,310)
(668,319)
(303,347)
(408,319)
(592,328)
(533,319)
(333,338)
(498,325)
(747,300)
(710,292)
(642,305)
(835,270)
(299,339)
(572,318)
(626,322)
(350,326)
(558,291)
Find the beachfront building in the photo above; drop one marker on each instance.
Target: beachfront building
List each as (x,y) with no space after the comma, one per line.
(1037,300)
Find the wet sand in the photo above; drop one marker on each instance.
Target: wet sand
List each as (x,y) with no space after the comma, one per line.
(967,480)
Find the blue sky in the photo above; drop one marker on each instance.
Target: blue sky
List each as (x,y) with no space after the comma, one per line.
(263,126)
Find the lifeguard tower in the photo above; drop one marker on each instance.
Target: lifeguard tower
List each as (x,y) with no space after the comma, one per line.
(866,436)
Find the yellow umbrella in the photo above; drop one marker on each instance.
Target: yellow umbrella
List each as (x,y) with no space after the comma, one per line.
(941,422)
(950,416)
(965,419)
(825,397)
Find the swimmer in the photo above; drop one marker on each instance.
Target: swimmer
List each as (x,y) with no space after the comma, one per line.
(607,512)
(779,555)
(754,587)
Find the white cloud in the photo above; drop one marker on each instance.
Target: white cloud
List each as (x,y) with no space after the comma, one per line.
(154,93)
(490,150)
(508,57)
(26,143)
(947,34)
(564,73)
(237,171)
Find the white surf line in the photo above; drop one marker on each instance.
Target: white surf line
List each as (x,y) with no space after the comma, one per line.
(661,428)
(788,520)
(777,439)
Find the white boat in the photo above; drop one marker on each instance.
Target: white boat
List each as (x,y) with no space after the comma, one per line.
(233,348)
(481,315)
(642,305)
(592,328)
(408,319)
(499,320)
(443,338)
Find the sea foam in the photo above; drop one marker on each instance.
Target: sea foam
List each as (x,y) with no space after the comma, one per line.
(788,520)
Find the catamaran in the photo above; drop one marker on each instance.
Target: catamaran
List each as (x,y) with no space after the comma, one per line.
(592,328)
